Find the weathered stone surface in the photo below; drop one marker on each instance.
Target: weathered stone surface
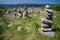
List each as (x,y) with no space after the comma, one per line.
(19,29)
(48,13)
(48,16)
(19,15)
(47,6)
(25,13)
(49,10)
(44,25)
(10,24)
(49,34)
(46,29)
(46,20)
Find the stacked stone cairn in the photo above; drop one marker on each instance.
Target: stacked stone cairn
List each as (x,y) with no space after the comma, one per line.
(25,12)
(19,13)
(47,20)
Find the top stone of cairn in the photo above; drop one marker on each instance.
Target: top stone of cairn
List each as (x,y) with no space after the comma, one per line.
(47,6)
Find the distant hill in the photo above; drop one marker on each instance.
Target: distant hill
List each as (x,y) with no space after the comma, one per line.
(17,5)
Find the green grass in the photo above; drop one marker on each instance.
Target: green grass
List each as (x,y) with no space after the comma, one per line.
(32,23)
(56,7)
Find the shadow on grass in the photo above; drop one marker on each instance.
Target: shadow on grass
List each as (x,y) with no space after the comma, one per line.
(57,29)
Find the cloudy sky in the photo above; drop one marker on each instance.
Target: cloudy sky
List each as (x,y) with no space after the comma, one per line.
(29,1)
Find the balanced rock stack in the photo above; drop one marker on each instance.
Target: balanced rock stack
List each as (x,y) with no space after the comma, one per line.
(25,12)
(47,22)
(19,14)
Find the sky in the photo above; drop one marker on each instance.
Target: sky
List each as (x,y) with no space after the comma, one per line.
(29,1)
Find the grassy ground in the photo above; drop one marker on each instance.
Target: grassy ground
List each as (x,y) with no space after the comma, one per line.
(32,23)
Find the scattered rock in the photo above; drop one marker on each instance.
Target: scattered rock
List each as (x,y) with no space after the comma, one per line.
(10,24)
(19,29)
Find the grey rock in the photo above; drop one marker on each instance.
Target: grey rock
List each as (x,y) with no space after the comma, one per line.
(46,29)
(47,6)
(19,15)
(19,29)
(48,16)
(49,34)
(44,25)
(48,13)
(10,24)
(49,10)
(46,20)
(25,14)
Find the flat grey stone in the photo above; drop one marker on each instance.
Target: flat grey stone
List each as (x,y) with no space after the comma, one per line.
(44,25)
(49,34)
(46,20)
(49,10)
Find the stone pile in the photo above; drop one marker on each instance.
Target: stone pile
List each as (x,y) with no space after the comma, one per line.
(18,13)
(34,10)
(25,12)
(22,12)
(47,22)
